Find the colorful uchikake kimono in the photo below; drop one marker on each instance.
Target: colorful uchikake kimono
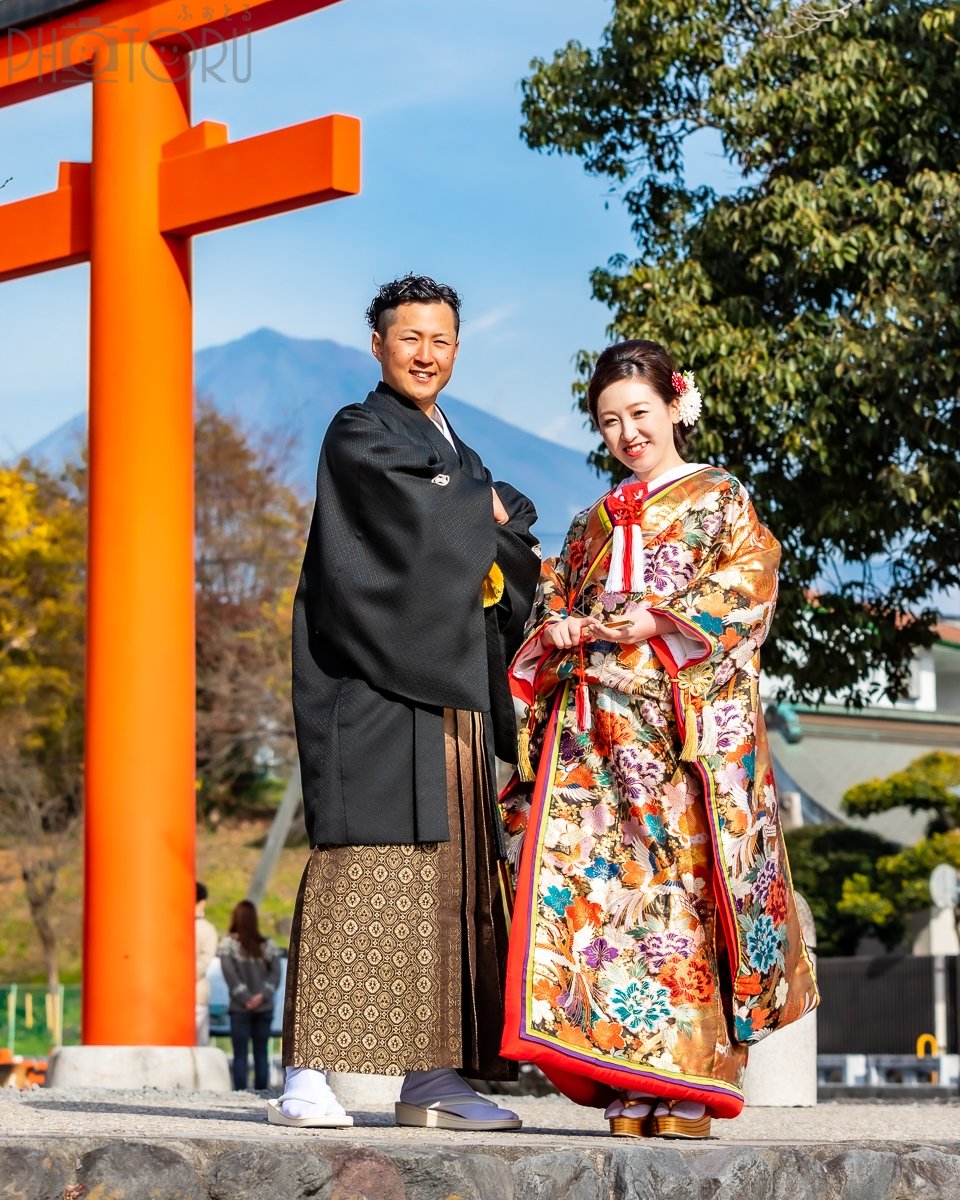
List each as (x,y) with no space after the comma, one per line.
(654,934)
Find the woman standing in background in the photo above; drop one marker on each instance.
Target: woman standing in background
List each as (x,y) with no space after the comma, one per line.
(251,968)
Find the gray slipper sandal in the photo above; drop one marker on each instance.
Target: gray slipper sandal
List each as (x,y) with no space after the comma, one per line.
(443,1115)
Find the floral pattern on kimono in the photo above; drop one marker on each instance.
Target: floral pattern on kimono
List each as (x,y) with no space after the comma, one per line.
(655,933)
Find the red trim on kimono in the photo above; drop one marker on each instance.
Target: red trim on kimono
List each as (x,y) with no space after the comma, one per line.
(596,1081)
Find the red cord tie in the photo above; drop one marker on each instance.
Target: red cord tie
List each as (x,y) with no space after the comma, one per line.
(584,715)
(625,507)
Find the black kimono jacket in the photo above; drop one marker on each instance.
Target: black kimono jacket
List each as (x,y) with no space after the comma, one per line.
(389,627)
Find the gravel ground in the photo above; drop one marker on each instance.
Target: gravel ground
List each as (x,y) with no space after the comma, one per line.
(549,1121)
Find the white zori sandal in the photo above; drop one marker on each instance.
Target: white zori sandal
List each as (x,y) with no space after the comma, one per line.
(442,1100)
(307,1103)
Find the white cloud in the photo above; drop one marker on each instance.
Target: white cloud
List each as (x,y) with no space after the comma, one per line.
(488,321)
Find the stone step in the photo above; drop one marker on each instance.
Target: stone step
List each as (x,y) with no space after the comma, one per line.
(324,1169)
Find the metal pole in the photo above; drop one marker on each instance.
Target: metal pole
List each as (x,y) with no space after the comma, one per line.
(940,1002)
(12,1018)
(282,820)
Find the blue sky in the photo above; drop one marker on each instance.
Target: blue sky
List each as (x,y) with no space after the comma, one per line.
(448,189)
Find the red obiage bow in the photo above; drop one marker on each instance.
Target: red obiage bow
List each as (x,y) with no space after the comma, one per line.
(625,509)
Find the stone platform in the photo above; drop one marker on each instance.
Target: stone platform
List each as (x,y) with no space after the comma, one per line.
(98,1145)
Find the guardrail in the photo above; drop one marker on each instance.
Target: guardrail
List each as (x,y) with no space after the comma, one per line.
(889,1070)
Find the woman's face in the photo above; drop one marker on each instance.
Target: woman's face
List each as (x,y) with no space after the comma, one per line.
(637,427)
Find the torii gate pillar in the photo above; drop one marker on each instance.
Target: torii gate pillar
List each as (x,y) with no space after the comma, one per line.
(140,819)
(154,182)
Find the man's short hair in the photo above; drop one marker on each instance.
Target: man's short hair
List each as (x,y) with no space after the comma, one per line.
(410,289)
(201,891)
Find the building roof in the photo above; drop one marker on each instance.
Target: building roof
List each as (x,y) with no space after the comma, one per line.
(948,632)
(840,748)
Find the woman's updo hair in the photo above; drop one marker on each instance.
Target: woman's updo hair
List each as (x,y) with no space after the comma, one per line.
(636,359)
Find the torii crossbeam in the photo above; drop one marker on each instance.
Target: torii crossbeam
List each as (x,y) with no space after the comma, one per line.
(154,181)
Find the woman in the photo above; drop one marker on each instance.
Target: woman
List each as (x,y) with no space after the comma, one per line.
(654,934)
(251,968)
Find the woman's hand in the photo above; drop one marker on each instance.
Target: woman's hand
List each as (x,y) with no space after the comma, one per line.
(638,623)
(255,1000)
(642,623)
(570,632)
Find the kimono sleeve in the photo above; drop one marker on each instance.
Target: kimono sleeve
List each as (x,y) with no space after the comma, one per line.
(552,600)
(519,562)
(398,551)
(721,618)
(724,615)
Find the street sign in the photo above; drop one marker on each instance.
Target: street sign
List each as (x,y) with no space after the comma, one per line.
(943,886)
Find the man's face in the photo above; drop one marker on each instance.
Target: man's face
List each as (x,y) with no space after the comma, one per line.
(417,351)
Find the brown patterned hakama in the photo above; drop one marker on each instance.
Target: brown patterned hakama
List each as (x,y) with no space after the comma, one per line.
(397,951)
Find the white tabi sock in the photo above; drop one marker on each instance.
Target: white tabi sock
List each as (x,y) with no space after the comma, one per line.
(306,1093)
(687,1110)
(631,1104)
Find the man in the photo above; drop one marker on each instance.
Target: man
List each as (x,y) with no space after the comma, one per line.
(417,580)
(205,944)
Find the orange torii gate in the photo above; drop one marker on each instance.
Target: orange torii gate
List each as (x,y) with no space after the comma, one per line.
(155,180)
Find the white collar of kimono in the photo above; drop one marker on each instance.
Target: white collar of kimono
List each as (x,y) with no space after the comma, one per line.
(441,423)
(672,475)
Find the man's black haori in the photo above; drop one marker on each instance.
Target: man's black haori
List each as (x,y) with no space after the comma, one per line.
(389,623)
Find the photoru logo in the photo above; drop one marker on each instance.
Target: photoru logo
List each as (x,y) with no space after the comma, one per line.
(90,49)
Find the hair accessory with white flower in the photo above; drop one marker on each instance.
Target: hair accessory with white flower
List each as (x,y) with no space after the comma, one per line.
(691,401)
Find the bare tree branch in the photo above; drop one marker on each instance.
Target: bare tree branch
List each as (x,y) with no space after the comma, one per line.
(809,15)
(36,816)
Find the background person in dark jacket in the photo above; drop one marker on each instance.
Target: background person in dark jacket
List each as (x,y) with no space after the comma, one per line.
(418,578)
(251,968)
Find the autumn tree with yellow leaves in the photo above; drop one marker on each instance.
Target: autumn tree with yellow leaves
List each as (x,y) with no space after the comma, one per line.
(42,582)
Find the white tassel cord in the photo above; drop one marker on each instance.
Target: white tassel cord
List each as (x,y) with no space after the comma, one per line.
(708,731)
(626,561)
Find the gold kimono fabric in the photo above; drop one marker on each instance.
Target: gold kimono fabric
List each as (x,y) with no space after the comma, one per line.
(655,933)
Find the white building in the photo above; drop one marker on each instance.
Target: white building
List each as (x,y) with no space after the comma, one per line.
(827,749)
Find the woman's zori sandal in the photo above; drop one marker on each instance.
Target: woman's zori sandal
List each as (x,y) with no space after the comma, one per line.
(636,1115)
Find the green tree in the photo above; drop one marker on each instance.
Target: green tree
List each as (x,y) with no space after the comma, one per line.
(930,784)
(822,857)
(900,883)
(818,303)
